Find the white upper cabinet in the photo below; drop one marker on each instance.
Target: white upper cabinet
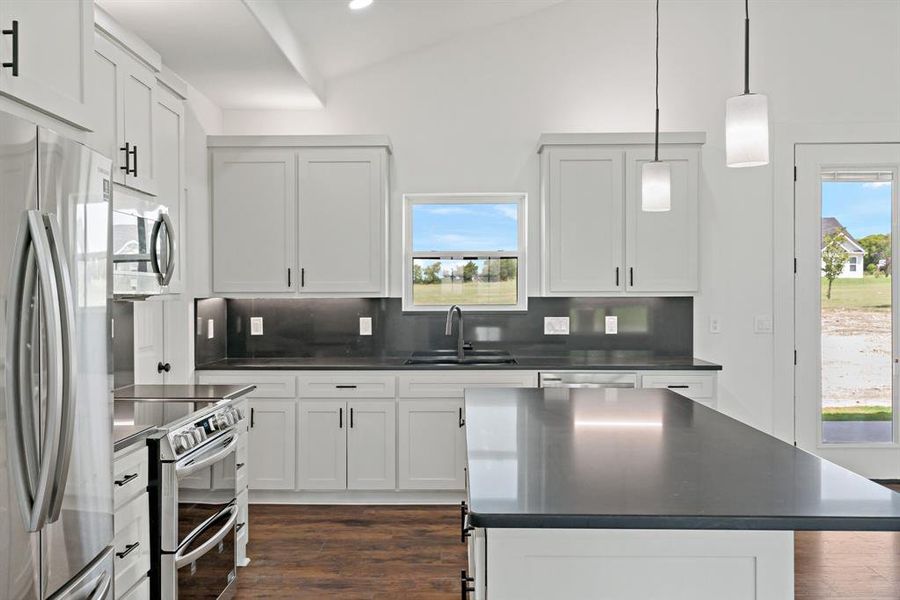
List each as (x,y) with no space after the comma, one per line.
(254,201)
(123,105)
(169,162)
(662,247)
(342,216)
(300,214)
(597,240)
(583,240)
(53,81)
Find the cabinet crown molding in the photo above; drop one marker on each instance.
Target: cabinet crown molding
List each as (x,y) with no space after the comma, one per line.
(299,141)
(619,139)
(115,32)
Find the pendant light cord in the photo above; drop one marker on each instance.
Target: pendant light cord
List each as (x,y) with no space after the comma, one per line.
(746,46)
(656,137)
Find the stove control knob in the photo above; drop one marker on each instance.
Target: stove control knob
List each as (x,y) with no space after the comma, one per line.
(229,418)
(180,443)
(186,441)
(198,435)
(238,414)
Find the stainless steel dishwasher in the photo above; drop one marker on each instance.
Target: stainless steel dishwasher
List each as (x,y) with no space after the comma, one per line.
(586,379)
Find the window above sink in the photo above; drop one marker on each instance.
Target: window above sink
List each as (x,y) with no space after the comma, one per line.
(465,249)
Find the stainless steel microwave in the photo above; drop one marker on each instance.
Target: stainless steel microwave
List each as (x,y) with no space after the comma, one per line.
(144,246)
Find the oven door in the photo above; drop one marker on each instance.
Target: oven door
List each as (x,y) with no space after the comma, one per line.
(205,562)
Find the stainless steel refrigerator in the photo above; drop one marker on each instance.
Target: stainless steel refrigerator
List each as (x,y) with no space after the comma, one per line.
(56,499)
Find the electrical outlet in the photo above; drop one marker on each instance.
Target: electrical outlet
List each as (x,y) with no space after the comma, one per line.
(556,325)
(715,324)
(365,326)
(210,329)
(256,326)
(762,324)
(612,325)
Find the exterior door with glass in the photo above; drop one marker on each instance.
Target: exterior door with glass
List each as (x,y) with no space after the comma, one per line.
(846,375)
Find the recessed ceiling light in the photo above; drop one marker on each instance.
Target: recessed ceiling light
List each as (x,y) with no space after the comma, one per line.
(359,4)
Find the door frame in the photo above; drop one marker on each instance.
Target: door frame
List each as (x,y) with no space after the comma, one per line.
(785,136)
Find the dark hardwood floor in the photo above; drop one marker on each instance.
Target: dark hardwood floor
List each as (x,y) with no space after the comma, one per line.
(414,553)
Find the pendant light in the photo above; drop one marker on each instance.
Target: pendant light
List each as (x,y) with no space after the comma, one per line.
(656,178)
(747,118)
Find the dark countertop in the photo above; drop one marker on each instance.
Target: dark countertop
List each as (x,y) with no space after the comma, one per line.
(128,435)
(650,459)
(180,393)
(588,360)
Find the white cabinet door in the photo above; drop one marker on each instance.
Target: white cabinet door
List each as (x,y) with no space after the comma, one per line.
(342,231)
(169,164)
(662,247)
(323,445)
(272,451)
(107,73)
(253,206)
(138,110)
(432,445)
(583,221)
(371,455)
(54,44)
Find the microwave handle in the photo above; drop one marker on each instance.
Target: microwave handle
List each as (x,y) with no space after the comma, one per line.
(170,249)
(154,255)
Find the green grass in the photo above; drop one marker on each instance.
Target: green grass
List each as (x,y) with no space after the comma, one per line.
(472,292)
(856,413)
(869,293)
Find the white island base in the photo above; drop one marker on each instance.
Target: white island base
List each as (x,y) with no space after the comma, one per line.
(631,564)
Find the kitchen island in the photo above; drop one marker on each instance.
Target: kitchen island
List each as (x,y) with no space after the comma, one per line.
(627,494)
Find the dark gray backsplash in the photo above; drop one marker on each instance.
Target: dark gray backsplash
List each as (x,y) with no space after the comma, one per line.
(330,327)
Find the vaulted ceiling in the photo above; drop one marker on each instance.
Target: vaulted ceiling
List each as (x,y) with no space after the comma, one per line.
(280,54)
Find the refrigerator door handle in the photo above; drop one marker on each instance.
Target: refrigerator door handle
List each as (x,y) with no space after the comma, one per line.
(170,249)
(102,587)
(69,404)
(34,491)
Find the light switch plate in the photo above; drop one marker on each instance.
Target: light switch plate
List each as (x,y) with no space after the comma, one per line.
(256,326)
(762,324)
(556,325)
(715,324)
(365,326)
(612,325)
(210,329)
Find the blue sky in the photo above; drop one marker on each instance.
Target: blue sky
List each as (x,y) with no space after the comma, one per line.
(862,208)
(489,227)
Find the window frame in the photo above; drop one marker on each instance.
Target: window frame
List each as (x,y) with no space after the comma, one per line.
(520,199)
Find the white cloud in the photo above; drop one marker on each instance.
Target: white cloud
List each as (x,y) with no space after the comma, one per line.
(510,211)
(877,184)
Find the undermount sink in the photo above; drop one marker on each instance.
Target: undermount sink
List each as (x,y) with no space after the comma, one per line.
(471,357)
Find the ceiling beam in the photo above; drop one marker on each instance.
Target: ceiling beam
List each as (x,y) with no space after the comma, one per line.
(272,19)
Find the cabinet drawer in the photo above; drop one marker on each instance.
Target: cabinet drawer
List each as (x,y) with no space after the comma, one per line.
(130,474)
(267,385)
(692,386)
(339,385)
(131,543)
(139,592)
(453,385)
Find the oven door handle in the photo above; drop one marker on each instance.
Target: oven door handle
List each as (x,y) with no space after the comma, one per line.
(182,559)
(194,464)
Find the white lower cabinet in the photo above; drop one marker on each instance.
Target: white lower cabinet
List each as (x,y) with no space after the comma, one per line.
(323,445)
(272,444)
(131,521)
(432,445)
(371,445)
(696,385)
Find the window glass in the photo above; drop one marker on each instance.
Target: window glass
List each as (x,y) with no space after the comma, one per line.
(459,227)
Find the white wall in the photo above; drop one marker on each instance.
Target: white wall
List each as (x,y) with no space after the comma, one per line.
(465,116)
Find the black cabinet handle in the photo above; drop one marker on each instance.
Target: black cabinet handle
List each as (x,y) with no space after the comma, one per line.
(631,276)
(302,276)
(128,550)
(126,479)
(239,466)
(134,160)
(464,529)
(345,387)
(464,588)
(351,418)
(462,421)
(678,387)
(14,63)
(340,418)
(289,277)
(127,150)
(617,276)
(160,367)
(239,526)
(252,417)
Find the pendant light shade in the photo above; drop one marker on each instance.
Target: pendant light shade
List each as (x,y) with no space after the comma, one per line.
(656,187)
(656,178)
(747,130)
(747,118)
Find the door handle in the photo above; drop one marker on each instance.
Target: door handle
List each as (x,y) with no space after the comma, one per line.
(128,550)
(252,417)
(351,418)
(631,276)
(182,559)
(617,276)
(134,160)
(340,418)
(33,473)
(462,421)
(125,480)
(163,367)
(14,63)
